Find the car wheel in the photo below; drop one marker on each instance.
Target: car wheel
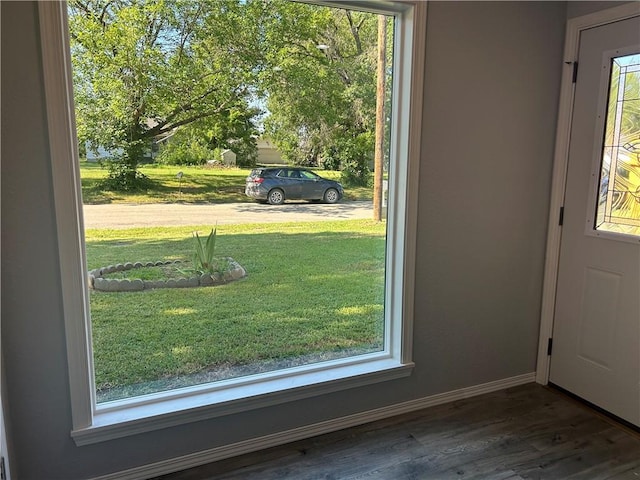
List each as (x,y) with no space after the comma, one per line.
(276,197)
(331,196)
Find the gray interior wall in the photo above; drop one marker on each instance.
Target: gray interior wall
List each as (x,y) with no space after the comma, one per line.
(491,98)
(579,8)
(493,74)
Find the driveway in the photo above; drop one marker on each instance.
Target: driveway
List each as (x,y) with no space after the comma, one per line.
(175,214)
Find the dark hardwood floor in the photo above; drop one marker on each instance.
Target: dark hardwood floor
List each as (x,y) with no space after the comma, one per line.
(526,432)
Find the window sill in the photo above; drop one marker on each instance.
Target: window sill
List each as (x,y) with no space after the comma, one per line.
(153,412)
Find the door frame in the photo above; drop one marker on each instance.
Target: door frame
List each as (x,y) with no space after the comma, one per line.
(575,26)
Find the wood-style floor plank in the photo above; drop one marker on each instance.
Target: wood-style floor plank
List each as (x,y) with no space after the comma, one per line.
(526,432)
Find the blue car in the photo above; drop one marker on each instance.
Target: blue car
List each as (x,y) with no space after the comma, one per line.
(277,184)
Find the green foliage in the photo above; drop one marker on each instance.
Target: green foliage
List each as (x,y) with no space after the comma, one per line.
(200,73)
(206,139)
(246,153)
(204,260)
(143,69)
(354,173)
(320,77)
(185,149)
(124,178)
(354,155)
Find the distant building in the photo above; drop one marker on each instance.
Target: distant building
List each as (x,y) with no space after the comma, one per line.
(228,158)
(149,154)
(268,154)
(101,154)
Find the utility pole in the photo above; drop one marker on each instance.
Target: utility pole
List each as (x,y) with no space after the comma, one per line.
(378,162)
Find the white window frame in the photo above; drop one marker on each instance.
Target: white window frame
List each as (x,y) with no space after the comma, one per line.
(95,423)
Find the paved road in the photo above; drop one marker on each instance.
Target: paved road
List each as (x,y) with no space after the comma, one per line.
(128,215)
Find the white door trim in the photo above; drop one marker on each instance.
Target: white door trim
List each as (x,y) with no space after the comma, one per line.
(561,157)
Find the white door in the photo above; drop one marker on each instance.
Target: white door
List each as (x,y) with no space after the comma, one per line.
(596,332)
(4,463)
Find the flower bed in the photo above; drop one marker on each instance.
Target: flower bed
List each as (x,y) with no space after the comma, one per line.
(97,281)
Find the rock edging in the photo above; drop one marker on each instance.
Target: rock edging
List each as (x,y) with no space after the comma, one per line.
(97,282)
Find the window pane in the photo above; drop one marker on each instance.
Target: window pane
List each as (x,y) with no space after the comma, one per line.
(619,197)
(172,98)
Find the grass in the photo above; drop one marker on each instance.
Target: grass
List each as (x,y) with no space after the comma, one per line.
(313,291)
(198,185)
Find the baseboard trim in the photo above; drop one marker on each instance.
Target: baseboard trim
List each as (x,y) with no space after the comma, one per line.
(227,451)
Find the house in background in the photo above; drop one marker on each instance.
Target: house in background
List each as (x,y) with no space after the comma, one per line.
(228,158)
(494,67)
(268,153)
(100,154)
(150,153)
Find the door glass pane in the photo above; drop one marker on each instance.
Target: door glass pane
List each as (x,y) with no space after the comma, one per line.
(619,196)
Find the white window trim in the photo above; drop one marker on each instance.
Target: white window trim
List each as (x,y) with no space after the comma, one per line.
(111,420)
(575,27)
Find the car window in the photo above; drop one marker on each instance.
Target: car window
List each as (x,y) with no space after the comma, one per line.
(281,173)
(308,175)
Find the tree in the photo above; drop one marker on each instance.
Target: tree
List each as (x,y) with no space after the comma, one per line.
(319,82)
(145,68)
(199,141)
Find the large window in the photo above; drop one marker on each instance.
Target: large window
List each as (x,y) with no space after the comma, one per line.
(285,309)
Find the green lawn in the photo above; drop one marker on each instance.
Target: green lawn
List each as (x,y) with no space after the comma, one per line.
(198,185)
(313,291)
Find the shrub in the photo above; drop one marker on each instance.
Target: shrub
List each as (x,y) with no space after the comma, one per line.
(189,150)
(355,173)
(354,155)
(123,177)
(204,260)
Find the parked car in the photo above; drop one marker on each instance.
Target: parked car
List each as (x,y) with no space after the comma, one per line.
(277,184)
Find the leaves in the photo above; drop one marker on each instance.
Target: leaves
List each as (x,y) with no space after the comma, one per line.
(321,84)
(146,70)
(204,257)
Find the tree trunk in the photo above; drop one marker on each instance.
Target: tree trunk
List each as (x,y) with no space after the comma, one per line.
(378,175)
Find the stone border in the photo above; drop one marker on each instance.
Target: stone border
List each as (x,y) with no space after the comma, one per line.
(97,282)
